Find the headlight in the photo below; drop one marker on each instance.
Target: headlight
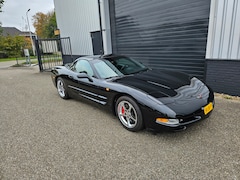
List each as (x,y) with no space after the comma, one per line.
(167,121)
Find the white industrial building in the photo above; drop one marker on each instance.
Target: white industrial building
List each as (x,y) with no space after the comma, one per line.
(78,19)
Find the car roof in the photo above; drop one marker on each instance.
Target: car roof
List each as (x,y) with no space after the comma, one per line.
(91,57)
(112,56)
(106,56)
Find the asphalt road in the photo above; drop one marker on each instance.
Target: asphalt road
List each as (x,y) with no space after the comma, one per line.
(45,137)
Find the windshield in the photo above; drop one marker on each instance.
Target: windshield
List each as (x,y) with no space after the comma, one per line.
(106,70)
(127,65)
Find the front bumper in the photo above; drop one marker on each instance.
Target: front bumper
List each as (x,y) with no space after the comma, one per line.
(183,121)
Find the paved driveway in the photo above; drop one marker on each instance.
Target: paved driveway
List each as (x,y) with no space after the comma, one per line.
(45,137)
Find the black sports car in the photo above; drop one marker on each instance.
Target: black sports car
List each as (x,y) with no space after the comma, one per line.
(140,97)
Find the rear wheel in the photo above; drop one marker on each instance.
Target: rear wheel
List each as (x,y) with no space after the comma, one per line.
(129,113)
(61,88)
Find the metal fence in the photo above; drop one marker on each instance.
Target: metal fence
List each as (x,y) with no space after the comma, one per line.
(51,52)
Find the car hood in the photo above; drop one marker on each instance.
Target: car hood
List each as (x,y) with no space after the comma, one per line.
(167,86)
(158,83)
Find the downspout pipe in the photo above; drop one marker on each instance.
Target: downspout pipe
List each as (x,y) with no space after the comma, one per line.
(100,24)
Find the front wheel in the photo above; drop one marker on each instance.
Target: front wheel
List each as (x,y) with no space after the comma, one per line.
(129,113)
(61,88)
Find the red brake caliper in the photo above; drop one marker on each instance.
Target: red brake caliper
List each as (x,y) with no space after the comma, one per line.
(123,110)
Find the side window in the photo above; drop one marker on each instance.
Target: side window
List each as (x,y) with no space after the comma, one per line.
(83,66)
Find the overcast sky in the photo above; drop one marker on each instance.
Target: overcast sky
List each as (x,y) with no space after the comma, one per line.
(14,12)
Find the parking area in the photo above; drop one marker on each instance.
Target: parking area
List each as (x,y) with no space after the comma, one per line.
(45,137)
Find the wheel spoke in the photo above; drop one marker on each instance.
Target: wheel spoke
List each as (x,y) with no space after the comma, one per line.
(129,122)
(132,114)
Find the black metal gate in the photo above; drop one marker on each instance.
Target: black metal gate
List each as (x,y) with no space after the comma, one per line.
(53,52)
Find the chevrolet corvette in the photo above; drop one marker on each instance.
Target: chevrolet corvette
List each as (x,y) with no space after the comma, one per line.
(140,97)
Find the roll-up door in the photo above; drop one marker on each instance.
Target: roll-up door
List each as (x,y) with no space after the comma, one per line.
(169,34)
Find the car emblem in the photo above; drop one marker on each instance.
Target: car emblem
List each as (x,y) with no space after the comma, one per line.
(199,96)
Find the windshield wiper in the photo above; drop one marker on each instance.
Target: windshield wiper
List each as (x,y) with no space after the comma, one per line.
(141,70)
(112,77)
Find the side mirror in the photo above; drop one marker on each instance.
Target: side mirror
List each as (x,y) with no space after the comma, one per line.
(84,75)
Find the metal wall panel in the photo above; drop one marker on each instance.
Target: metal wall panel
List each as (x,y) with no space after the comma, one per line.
(223,76)
(224,30)
(76,19)
(162,34)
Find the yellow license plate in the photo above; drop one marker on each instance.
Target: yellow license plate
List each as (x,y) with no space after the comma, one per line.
(208,108)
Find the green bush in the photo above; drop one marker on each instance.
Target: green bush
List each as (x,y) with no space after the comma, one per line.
(12,46)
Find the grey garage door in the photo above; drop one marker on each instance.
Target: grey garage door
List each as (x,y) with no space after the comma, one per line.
(169,34)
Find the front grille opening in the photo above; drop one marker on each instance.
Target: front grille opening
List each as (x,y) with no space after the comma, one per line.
(191,117)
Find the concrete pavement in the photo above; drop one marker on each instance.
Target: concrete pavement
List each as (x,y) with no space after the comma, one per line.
(45,137)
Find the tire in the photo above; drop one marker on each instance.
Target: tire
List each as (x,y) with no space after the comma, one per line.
(129,114)
(61,88)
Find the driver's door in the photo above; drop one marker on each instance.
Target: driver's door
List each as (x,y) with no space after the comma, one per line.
(83,83)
